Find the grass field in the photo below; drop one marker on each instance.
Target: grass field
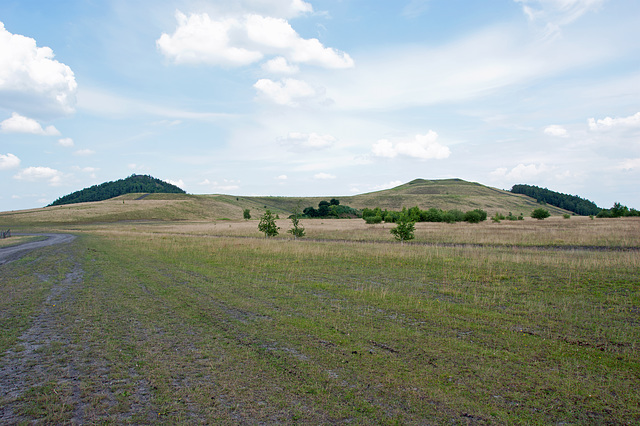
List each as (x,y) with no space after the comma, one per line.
(530,322)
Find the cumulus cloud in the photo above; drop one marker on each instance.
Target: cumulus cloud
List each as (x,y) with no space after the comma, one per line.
(289,91)
(20,124)
(179,183)
(423,147)
(66,142)
(238,41)
(35,174)
(608,123)
(8,161)
(280,65)
(31,81)
(556,130)
(307,141)
(324,176)
(282,177)
(521,172)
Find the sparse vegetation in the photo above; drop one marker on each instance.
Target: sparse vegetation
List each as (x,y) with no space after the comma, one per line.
(164,325)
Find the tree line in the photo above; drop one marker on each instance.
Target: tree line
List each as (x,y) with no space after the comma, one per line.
(107,190)
(415,214)
(572,203)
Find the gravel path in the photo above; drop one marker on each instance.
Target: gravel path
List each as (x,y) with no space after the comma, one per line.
(8,254)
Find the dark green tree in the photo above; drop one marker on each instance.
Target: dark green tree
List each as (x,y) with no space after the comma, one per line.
(298,230)
(246,213)
(268,225)
(404,230)
(540,213)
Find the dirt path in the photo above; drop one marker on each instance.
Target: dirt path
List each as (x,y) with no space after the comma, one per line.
(8,254)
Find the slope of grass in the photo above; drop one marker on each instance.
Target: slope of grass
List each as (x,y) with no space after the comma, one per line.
(443,194)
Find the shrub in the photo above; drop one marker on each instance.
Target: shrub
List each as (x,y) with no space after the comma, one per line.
(373,219)
(540,213)
(475,216)
(268,224)
(404,229)
(566,216)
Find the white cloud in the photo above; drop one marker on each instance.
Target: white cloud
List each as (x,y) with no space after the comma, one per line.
(556,130)
(66,142)
(388,185)
(32,81)
(20,124)
(280,65)
(8,161)
(276,35)
(610,123)
(307,141)
(630,164)
(289,91)
(282,177)
(554,14)
(520,172)
(84,152)
(34,174)
(424,147)
(90,170)
(324,176)
(225,185)
(199,39)
(239,41)
(179,183)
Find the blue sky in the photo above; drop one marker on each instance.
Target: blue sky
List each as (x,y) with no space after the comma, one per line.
(327,97)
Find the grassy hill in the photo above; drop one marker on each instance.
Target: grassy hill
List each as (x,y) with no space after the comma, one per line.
(443,194)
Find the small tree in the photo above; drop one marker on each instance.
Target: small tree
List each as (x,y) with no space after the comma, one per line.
(298,230)
(404,229)
(540,213)
(268,224)
(246,213)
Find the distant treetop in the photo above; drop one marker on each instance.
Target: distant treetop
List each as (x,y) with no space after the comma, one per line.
(132,184)
(573,203)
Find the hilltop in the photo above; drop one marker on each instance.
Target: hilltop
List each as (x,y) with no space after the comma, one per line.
(443,194)
(108,190)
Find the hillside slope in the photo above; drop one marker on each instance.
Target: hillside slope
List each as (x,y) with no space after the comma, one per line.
(443,194)
(108,190)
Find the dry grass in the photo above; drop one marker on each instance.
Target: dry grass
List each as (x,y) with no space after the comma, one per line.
(555,231)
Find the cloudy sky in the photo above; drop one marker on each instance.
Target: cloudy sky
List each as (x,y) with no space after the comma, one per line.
(319,97)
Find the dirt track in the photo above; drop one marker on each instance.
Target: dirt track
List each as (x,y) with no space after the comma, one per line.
(8,254)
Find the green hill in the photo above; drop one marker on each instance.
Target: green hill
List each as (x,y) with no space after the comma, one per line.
(107,190)
(444,194)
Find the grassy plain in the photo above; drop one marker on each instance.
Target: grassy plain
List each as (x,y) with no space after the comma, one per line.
(530,322)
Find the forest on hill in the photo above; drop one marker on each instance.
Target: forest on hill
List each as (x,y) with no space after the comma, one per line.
(573,203)
(107,190)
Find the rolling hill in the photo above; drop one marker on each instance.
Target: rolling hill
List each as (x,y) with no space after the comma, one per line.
(443,194)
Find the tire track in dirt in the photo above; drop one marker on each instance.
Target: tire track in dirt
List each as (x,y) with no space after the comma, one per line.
(53,373)
(9,254)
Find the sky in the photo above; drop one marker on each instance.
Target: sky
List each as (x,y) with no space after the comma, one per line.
(319,97)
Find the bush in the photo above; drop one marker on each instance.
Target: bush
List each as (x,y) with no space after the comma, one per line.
(268,224)
(475,216)
(373,219)
(566,216)
(540,213)
(404,230)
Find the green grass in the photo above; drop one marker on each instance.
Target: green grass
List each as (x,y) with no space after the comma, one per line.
(185,328)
